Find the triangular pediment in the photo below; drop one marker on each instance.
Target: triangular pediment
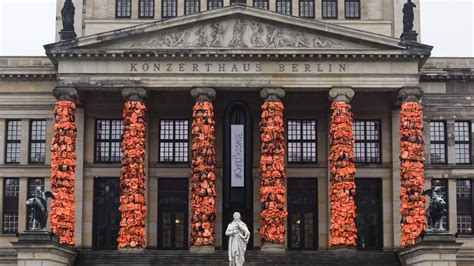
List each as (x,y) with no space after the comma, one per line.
(233,29)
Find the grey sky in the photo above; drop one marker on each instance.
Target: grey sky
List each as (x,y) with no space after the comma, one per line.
(25,25)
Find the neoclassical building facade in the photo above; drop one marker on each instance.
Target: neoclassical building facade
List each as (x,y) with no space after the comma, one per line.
(226,87)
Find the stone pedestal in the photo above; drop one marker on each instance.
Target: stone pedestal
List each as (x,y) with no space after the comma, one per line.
(409,36)
(273,248)
(202,249)
(432,249)
(42,248)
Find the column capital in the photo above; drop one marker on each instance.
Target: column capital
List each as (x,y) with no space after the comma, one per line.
(137,94)
(272,94)
(341,94)
(203,94)
(63,93)
(410,94)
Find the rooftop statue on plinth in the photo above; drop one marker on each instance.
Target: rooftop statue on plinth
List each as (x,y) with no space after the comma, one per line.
(67,14)
(436,210)
(38,206)
(408,19)
(239,236)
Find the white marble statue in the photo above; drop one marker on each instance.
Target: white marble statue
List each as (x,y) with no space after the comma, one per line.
(239,235)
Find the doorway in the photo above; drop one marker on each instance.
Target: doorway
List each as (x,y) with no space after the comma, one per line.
(238,156)
(369,221)
(106,214)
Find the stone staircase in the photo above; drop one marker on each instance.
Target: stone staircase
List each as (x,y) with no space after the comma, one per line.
(253,257)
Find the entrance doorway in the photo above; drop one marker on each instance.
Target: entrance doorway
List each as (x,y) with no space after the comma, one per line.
(302,213)
(106,214)
(173,213)
(238,156)
(369,213)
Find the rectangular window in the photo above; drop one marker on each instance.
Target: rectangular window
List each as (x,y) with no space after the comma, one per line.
(37,141)
(329,8)
(213,4)
(462,141)
(283,7)
(443,184)
(123,8)
(302,139)
(108,139)
(13,142)
(367,141)
(352,9)
(438,142)
(174,136)
(11,190)
(232,2)
(191,6)
(146,8)
(307,8)
(33,183)
(464,205)
(262,4)
(169,8)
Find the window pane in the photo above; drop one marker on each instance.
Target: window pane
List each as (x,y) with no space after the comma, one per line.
(37,141)
(11,191)
(464,205)
(192,6)
(213,4)
(284,7)
(352,8)
(108,140)
(302,141)
(367,141)
(169,8)
(307,8)
(462,139)
(263,4)
(147,8)
(13,141)
(329,8)
(438,142)
(174,135)
(124,8)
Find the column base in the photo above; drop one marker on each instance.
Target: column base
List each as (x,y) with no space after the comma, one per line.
(202,249)
(343,249)
(273,248)
(131,250)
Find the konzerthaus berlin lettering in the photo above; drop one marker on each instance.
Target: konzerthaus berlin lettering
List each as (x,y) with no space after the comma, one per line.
(153,121)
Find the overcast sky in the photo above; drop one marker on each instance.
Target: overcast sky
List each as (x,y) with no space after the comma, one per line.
(25,25)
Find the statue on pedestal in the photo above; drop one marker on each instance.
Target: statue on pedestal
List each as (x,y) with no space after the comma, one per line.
(436,210)
(67,15)
(408,16)
(239,236)
(38,206)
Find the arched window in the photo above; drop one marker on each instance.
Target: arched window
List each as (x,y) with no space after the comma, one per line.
(169,8)
(329,8)
(146,9)
(213,4)
(283,7)
(307,8)
(352,9)
(123,8)
(262,4)
(192,6)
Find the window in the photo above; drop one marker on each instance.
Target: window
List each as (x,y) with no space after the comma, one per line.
(33,183)
(352,9)
(283,7)
(307,8)
(329,8)
(213,4)
(11,190)
(108,137)
(146,9)
(302,141)
(462,142)
(191,6)
(464,205)
(438,142)
(169,8)
(37,141)
(262,4)
(443,183)
(123,8)
(174,141)
(367,141)
(13,141)
(242,2)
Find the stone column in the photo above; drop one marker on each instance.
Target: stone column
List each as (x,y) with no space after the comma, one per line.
(412,202)
(63,165)
(132,236)
(343,231)
(272,172)
(203,176)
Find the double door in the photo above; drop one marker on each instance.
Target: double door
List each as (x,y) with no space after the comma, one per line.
(369,213)
(106,213)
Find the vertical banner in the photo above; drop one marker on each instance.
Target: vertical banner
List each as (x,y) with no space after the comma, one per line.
(237,156)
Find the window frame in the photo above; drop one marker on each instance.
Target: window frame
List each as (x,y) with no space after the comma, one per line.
(290,7)
(322,9)
(469,142)
(365,141)
(359,10)
(7,141)
(220,1)
(117,9)
(472,207)
(109,141)
(4,202)
(186,3)
(301,141)
(31,141)
(28,196)
(160,140)
(163,9)
(140,9)
(313,10)
(445,142)
(264,1)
